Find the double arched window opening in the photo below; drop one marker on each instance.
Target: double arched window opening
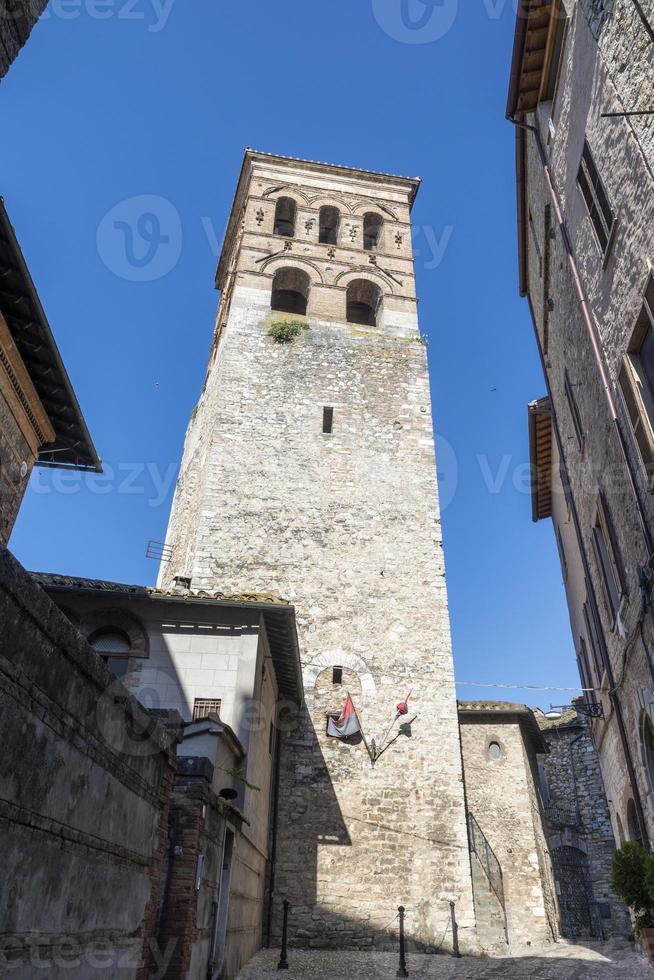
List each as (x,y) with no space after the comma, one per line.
(291,288)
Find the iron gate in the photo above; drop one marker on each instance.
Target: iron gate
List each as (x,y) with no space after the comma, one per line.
(578,913)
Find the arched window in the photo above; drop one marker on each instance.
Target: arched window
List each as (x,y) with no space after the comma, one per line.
(290,291)
(372,228)
(285,217)
(363,302)
(648,745)
(329,220)
(114,647)
(633,826)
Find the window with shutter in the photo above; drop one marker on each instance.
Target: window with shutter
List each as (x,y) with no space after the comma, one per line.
(596,198)
(608,559)
(593,662)
(636,380)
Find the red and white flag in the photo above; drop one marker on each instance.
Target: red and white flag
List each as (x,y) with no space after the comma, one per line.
(348,723)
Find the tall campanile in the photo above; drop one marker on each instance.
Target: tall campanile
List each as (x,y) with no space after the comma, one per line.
(309,472)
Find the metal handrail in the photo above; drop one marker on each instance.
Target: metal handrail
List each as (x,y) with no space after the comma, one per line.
(490,865)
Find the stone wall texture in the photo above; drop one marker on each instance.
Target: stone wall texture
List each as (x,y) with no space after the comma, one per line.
(575,791)
(17,18)
(502,796)
(346,526)
(84,800)
(610,75)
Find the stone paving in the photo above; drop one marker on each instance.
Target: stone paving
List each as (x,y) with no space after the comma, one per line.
(560,961)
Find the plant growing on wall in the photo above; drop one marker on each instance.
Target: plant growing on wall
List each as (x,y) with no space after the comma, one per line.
(285,331)
(632,878)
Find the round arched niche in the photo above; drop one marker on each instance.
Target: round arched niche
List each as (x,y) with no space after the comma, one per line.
(646,737)
(347,662)
(111,618)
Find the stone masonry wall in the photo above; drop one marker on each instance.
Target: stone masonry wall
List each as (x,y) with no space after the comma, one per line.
(17,18)
(346,526)
(582,791)
(84,797)
(596,80)
(501,796)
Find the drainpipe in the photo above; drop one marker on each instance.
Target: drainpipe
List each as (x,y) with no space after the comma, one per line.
(613,693)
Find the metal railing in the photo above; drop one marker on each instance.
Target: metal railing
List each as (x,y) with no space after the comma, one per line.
(490,865)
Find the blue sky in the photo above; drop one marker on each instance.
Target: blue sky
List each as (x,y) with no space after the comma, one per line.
(112,100)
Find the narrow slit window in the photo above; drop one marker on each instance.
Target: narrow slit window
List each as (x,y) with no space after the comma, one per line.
(337,675)
(328,420)
(574,411)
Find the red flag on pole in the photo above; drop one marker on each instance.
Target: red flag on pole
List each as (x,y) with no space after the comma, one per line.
(348,723)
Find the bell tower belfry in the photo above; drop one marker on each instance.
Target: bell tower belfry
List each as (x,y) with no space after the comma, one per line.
(309,473)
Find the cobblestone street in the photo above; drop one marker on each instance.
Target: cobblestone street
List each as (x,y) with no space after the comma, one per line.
(558,962)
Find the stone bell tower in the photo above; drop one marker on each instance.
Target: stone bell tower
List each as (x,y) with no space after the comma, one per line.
(309,472)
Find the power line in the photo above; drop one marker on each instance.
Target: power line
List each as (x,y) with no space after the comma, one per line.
(527,687)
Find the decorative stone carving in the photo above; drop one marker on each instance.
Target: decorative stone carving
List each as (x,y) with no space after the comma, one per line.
(260,216)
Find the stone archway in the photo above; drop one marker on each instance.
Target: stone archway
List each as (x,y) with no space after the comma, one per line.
(337,658)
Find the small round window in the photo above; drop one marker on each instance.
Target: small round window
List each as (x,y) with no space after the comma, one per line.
(494,751)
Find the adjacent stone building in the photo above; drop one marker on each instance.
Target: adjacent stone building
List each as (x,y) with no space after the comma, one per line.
(85,785)
(581,100)
(40,419)
(309,473)
(511,872)
(578,829)
(224,673)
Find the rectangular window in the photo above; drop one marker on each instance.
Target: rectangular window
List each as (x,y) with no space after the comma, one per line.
(636,379)
(596,198)
(584,666)
(595,659)
(574,411)
(327,420)
(337,675)
(562,556)
(556,60)
(608,560)
(204,706)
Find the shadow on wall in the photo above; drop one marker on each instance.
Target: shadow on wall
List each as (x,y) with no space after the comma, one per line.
(311,868)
